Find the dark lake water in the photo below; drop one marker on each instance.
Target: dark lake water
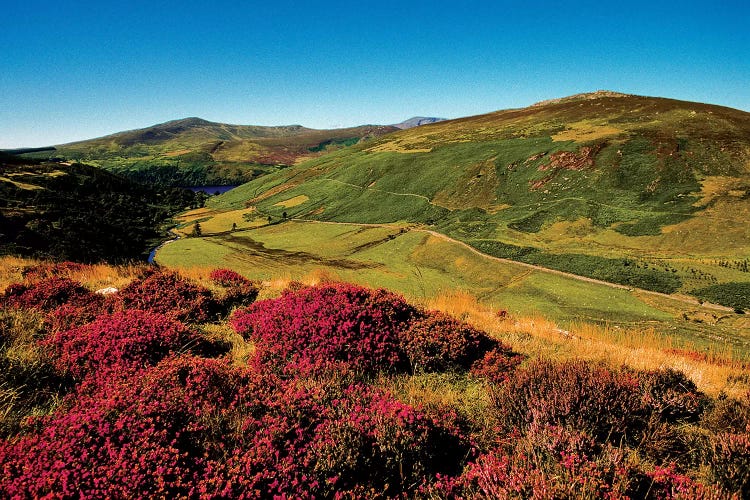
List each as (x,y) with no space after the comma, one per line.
(212,190)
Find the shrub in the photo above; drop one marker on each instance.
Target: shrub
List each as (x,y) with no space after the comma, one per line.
(49,293)
(124,341)
(729,461)
(336,440)
(588,398)
(553,462)
(200,427)
(331,324)
(728,415)
(672,396)
(734,294)
(497,364)
(437,342)
(147,437)
(169,294)
(238,290)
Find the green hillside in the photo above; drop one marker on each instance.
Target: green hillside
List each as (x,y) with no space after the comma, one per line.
(194,152)
(81,213)
(648,192)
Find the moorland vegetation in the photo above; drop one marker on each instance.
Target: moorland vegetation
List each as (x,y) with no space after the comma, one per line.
(217,386)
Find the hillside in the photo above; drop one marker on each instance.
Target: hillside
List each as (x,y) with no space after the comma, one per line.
(647,192)
(195,152)
(81,213)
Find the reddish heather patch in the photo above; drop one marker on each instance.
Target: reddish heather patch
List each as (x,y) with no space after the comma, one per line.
(316,327)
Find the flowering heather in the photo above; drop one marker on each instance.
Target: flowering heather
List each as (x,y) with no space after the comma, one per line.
(566,474)
(228,278)
(238,290)
(169,294)
(590,398)
(126,341)
(335,440)
(199,427)
(132,404)
(437,342)
(329,324)
(47,294)
(729,460)
(148,437)
(497,364)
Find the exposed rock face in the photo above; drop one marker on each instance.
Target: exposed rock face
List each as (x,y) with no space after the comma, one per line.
(417,121)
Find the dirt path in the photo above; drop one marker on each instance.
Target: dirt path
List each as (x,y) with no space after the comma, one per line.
(680,298)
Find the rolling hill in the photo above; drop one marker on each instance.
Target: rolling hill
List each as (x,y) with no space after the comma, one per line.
(647,192)
(195,152)
(81,213)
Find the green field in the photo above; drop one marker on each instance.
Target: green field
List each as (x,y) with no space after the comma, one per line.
(422,266)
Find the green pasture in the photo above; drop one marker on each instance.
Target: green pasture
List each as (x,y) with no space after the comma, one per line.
(422,266)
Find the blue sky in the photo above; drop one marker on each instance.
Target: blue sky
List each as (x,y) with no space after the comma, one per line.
(77,70)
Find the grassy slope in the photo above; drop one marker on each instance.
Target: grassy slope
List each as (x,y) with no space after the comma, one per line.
(659,182)
(195,151)
(425,267)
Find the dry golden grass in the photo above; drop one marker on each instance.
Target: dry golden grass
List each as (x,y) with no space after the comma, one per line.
(292,202)
(586,130)
(92,277)
(644,349)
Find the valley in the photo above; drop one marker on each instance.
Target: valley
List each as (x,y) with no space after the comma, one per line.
(603,207)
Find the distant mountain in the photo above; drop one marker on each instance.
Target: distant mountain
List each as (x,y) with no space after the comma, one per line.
(643,191)
(417,121)
(194,152)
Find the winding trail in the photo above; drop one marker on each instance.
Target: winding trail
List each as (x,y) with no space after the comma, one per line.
(681,298)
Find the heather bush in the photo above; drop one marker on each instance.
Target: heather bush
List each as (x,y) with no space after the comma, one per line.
(590,398)
(169,294)
(146,437)
(123,341)
(371,439)
(729,461)
(671,396)
(48,294)
(728,415)
(436,342)
(238,291)
(554,462)
(333,439)
(497,364)
(334,324)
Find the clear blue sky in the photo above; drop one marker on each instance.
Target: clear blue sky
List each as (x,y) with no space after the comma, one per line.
(73,70)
